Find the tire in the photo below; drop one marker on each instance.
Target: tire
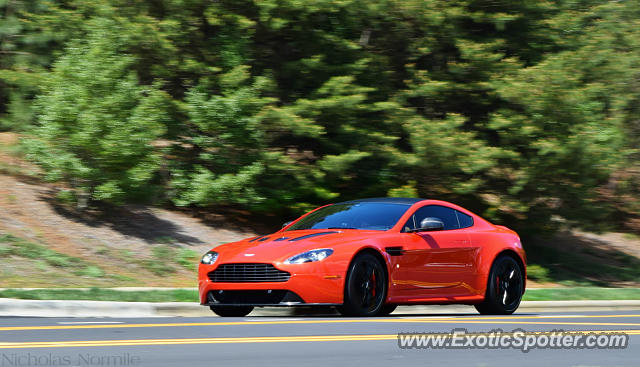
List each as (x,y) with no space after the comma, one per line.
(504,288)
(387,309)
(231,311)
(365,289)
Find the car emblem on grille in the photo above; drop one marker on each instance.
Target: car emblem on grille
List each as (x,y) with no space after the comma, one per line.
(249,254)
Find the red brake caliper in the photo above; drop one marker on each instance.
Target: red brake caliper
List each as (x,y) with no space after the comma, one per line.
(373,283)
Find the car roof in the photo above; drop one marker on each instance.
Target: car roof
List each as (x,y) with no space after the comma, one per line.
(407,201)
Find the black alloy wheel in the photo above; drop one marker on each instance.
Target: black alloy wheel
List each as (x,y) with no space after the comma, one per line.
(365,289)
(387,309)
(504,288)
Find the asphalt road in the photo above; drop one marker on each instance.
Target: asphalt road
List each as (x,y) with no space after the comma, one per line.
(299,341)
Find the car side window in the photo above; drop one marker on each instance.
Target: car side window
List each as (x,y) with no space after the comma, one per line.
(464,220)
(447,215)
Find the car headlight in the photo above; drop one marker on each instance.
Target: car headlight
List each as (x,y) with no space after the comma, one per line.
(209,258)
(310,256)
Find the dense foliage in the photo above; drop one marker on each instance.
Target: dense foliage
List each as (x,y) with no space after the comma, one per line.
(525,111)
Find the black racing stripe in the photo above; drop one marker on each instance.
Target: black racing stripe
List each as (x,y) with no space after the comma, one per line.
(312,235)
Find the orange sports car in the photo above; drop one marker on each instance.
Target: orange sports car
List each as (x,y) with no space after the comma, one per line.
(367,256)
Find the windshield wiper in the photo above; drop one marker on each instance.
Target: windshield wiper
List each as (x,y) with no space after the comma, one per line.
(341,228)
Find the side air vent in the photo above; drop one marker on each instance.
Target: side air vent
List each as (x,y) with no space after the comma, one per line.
(395,250)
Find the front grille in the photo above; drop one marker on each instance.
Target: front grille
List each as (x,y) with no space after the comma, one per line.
(248,273)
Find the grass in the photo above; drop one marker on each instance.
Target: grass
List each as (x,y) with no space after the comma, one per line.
(159,264)
(103,294)
(538,273)
(581,293)
(15,150)
(184,257)
(12,199)
(66,197)
(188,258)
(11,170)
(92,271)
(14,246)
(185,295)
(584,267)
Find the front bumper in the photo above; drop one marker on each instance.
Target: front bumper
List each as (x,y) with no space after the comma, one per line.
(259,298)
(309,284)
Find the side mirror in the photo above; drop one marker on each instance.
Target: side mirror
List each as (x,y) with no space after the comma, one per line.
(287,223)
(430,224)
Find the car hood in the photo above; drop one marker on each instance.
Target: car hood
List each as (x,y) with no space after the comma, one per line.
(280,246)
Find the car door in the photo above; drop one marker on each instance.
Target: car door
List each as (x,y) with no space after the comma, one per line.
(435,263)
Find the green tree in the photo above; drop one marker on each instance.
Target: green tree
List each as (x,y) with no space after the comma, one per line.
(97,126)
(525,112)
(224,149)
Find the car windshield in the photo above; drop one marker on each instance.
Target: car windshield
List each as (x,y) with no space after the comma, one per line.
(356,215)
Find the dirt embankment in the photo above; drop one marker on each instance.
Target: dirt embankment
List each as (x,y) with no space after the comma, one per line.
(118,240)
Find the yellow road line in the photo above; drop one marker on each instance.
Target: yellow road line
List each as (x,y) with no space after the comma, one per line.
(264,339)
(434,320)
